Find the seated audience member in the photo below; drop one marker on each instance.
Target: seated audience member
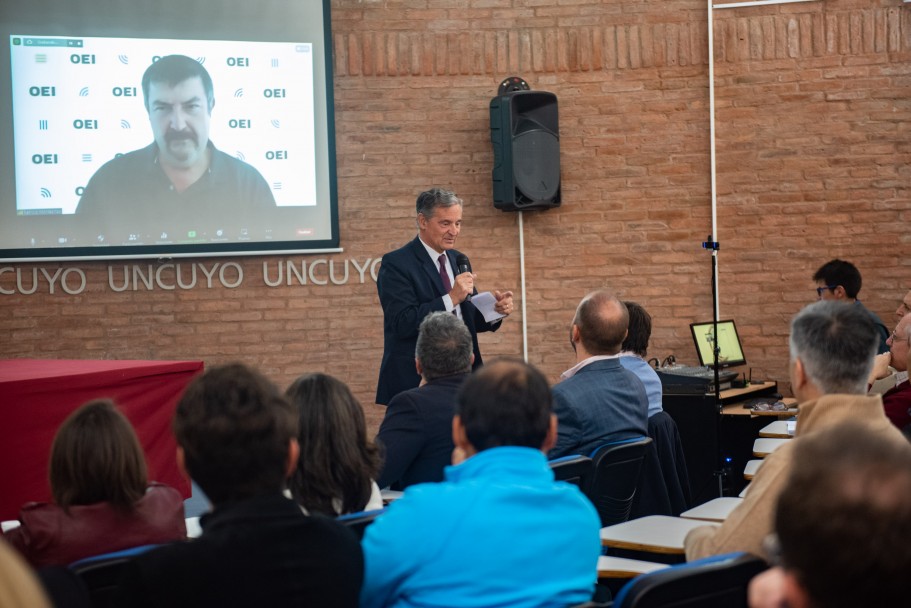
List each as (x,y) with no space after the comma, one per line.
(416,432)
(882,368)
(664,487)
(498,531)
(633,352)
(598,400)
(19,588)
(102,499)
(897,400)
(904,307)
(237,439)
(832,348)
(842,525)
(337,465)
(840,280)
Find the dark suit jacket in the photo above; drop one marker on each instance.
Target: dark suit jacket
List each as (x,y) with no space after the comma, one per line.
(417,433)
(664,486)
(258,552)
(410,288)
(602,403)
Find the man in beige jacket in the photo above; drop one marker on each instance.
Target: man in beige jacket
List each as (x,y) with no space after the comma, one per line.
(832,349)
(842,524)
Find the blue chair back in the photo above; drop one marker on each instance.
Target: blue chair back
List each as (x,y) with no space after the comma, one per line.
(359,521)
(100,573)
(615,477)
(576,470)
(720,581)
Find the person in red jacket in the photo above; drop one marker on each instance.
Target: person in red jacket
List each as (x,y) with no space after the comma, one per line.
(103,501)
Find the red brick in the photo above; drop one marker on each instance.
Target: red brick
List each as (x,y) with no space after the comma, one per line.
(811,164)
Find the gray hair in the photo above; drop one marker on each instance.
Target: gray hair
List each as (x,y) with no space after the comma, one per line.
(836,342)
(428,201)
(444,346)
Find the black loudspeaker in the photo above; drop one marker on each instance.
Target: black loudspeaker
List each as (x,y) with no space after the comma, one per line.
(525,133)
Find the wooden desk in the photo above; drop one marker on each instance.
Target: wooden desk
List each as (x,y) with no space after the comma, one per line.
(750,470)
(764,446)
(390,496)
(653,534)
(747,392)
(776,430)
(716,509)
(737,409)
(9,525)
(621,567)
(193,527)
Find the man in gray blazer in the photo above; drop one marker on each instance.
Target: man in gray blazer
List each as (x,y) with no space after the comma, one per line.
(598,400)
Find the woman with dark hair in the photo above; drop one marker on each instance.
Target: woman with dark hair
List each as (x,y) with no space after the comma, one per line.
(102,500)
(337,466)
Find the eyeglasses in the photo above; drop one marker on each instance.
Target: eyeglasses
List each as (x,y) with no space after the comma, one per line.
(819,290)
(778,406)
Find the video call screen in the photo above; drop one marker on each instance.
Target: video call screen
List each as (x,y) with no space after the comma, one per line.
(730,351)
(235,155)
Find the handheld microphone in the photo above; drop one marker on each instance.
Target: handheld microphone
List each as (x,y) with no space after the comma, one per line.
(463,265)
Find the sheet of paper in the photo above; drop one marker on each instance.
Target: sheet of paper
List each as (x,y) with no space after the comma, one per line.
(485,302)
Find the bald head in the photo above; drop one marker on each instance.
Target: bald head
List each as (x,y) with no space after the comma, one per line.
(600,324)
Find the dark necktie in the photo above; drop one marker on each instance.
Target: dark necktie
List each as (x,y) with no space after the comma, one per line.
(444,276)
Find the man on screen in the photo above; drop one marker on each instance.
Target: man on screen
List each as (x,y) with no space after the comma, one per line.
(180,180)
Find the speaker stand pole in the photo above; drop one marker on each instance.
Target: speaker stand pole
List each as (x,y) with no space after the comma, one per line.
(522,287)
(713,246)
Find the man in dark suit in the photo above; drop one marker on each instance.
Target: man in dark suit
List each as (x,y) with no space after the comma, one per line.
(417,429)
(598,401)
(237,439)
(420,278)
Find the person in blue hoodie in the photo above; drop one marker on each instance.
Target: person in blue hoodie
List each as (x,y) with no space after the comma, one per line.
(498,530)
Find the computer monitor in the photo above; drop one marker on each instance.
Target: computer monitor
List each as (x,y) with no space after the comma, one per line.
(730,351)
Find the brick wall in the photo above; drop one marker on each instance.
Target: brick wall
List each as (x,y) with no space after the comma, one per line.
(812,121)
